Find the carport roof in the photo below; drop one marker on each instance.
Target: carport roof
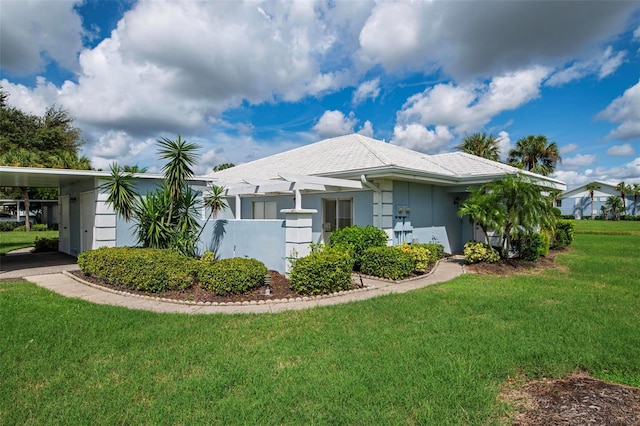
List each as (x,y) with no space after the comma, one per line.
(52,178)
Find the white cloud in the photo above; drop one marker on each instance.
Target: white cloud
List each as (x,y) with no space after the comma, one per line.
(624,150)
(604,64)
(568,148)
(368,90)
(33,33)
(366,129)
(504,145)
(624,110)
(578,161)
(469,107)
(629,173)
(34,100)
(467,40)
(419,138)
(335,123)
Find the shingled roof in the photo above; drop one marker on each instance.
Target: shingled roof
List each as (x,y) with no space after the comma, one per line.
(353,155)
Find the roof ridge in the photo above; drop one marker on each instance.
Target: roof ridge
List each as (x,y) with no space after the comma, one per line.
(365,143)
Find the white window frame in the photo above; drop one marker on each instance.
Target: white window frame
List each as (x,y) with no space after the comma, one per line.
(264,210)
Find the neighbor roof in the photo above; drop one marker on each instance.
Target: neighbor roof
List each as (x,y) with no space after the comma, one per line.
(351,156)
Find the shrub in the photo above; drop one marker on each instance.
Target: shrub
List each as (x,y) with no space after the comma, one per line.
(34,227)
(208,256)
(45,244)
(144,269)
(9,226)
(387,262)
(421,255)
(475,252)
(528,246)
(563,235)
(322,272)
(358,239)
(231,276)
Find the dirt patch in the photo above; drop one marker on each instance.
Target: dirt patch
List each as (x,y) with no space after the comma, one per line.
(578,399)
(508,267)
(279,289)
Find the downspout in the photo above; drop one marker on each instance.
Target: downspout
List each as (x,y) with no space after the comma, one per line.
(374,188)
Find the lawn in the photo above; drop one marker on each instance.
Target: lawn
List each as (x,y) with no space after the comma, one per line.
(433,356)
(19,239)
(611,227)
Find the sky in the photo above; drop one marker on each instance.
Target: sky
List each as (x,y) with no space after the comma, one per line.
(247,79)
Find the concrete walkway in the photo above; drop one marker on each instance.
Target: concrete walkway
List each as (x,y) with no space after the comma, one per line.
(69,286)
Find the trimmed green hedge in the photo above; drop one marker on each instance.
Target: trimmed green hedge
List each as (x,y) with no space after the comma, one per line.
(357,240)
(45,244)
(322,272)
(144,269)
(387,262)
(158,270)
(563,234)
(34,227)
(231,276)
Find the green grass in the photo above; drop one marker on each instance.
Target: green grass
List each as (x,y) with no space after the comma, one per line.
(16,239)
(434,356)
(610,227)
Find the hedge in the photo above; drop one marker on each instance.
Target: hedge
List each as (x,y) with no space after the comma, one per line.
(357,240)
(144,269)
(231,276)
(387,262)
(321,273)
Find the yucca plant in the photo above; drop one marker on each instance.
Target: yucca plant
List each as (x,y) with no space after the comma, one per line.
(166,218)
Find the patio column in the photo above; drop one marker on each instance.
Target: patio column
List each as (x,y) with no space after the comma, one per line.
(298,235)
(238,208)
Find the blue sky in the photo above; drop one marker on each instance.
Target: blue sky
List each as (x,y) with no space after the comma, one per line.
(248,79)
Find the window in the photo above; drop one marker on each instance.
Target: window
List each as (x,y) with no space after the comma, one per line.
(265,210)
(338,214)
(558,202)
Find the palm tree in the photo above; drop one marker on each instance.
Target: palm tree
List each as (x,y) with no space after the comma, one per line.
(603,211)
(481,145)
(216,204)
(512,206)
(166,218)
(635,190)
(536,154)
(480,208)
(181,158)
(614,206)
(592,187)
(623,188)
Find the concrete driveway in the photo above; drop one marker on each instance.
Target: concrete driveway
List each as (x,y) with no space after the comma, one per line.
(25,263)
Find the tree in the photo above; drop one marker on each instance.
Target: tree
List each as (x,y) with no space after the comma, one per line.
(480,208)
(481,145)
(614,206)
(166,218)
(223,166)
(603,211)
(624,189)
(536,154)
(134,169)
(592,187)
(635,190)
(519,208)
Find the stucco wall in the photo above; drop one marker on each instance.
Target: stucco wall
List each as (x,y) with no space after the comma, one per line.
(433,215)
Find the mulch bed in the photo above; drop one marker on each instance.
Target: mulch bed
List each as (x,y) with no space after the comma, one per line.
(508,267)
(577,399)
(280,289)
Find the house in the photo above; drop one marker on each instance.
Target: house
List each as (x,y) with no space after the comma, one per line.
(577,201)
(280,204)
(304,194)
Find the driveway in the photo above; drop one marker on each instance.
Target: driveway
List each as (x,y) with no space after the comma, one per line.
(22,264)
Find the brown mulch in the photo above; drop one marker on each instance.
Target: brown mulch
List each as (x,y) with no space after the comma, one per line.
(279,289)
(508,267)
(577,399)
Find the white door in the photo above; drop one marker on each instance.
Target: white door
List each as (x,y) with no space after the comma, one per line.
(87,215)
(63,226)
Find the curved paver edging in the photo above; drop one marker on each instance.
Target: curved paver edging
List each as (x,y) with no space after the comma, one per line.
(70,286)
(190,302)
